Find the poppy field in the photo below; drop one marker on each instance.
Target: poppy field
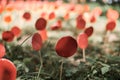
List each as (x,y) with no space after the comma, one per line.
(56,40)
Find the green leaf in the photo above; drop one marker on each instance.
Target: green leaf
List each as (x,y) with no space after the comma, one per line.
(94,72)
(104,70)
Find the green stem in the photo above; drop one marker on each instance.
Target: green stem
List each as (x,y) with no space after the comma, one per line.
(25,40)
(61,69)
(41,64)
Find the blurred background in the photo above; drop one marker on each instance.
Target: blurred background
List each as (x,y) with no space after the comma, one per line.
(62,16)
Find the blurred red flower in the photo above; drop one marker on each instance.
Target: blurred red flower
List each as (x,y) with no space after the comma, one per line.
(80,22)
(36,41)
(79,17)
(89,31)
(93,19)
(7,36)
(86,8)
(66,46)
(110,25)
(112,14)
(2,50)
(16,31)
(27,16)
(52,16)
(82,40)
(57,25)
(7,19)
(7,70)
(66,17)
(40,24)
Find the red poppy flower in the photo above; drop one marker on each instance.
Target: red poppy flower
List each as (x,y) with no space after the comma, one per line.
(93,19)
(112,14)
(7,19)
(2,50)
(110,25)
(81,23)
(7,36)
(89,31)
(16,31)
(7,70)
(36,41)
(66,46)
(57,25)
(79,17)
(43,34)
(82,40)
(40,24)
(51,15)
(66,17)
(27,16)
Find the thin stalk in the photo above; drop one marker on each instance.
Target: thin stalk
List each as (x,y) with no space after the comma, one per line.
(25,40)
(61,69)
(41,64)
(84,57)
(106,42)
(106,37)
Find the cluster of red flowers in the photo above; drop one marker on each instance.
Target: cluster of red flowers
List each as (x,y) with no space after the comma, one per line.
(8,36)
(66,46)
(39,37)
(62,48)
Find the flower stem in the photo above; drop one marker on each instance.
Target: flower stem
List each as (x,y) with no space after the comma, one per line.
(61,69)
(41,65)
(84,57)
